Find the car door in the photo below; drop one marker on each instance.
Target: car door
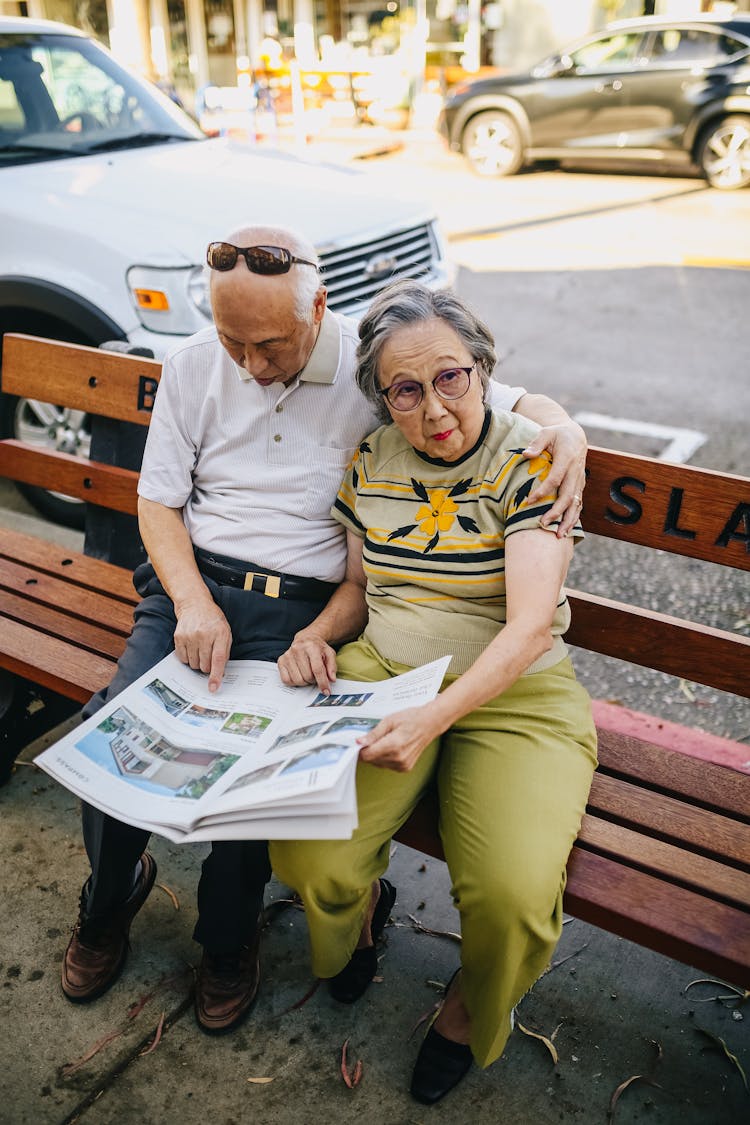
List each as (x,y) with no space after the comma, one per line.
(580,107)
(682,68)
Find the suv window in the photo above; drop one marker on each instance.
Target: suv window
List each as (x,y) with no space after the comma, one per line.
(611,51)
(683,46)
(64,93)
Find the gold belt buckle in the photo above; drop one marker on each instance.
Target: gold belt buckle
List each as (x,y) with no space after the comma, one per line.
(272,588)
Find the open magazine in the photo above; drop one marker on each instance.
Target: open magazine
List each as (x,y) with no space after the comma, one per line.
(254,760)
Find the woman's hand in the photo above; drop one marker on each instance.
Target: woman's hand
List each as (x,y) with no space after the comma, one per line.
(308,660)
(398,740)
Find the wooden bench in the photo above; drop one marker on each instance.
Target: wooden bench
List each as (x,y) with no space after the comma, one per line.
(663,857)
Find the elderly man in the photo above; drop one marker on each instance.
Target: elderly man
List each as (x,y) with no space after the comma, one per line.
(254,424)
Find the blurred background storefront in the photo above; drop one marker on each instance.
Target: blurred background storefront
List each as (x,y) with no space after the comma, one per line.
(375,57)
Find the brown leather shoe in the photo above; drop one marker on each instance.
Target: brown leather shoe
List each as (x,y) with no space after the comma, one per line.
(226,988)
(98,947)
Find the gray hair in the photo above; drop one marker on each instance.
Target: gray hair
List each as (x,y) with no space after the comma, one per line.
(410,302)
(305,281)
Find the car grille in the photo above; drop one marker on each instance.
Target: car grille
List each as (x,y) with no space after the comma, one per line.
(353,275)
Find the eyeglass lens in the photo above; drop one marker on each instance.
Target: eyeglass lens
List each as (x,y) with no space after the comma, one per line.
(407,395)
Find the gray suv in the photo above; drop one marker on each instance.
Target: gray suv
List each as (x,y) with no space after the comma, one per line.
(655,92)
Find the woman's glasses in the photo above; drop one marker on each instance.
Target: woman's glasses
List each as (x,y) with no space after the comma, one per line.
(408,394)
(267,260)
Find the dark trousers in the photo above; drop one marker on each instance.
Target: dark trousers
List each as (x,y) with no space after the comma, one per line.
(235,873)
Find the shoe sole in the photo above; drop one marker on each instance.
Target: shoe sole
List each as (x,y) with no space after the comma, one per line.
(88,997)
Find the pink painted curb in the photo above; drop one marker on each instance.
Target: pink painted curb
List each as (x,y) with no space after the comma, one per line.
(673,736)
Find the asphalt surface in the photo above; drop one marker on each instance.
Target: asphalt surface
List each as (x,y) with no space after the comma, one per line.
(607,315)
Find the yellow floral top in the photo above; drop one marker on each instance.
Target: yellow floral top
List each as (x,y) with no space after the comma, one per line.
(434,539)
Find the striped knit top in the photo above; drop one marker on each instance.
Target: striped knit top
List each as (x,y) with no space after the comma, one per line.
(434,536)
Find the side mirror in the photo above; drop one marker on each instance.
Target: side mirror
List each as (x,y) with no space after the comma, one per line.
(554,67)
(565,65)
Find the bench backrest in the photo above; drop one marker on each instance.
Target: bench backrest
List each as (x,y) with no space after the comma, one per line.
(677,509)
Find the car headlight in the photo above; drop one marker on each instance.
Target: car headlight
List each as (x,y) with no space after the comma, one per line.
(173,301)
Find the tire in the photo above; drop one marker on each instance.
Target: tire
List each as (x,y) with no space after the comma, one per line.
(491,142)
(724,153)
(53,427)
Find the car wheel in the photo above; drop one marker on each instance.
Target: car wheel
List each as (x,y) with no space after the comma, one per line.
(492,144)
(724,153)
(52,427)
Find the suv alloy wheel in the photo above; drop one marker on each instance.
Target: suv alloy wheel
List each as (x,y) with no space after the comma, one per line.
(491,142)
(724,153)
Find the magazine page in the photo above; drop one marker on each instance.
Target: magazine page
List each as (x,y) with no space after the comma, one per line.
(156,751)
(308,754)
(166,754)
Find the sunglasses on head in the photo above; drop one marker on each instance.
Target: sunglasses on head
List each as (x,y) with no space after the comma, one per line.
(268,260)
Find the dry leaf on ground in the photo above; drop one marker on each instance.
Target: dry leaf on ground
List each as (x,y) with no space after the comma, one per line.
(354,1077)
(635,1078)
(732,1057)
(687,691)
(168,891)
(298,1003)
(434,933)
(543,1038)
(562,960)
(71,1068)
(735,995)
(157,1036)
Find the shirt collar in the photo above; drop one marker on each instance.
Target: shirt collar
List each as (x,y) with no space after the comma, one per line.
(323,364)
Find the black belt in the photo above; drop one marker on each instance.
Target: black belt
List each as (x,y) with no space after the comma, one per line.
(249,576)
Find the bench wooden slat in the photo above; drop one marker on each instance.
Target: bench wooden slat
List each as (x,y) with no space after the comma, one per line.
(708,833)
(679,508)
(715,880)
(54,623)
(93,481)
(88,379)
(704,783)
(669,919)
(70,565)
(655,640)
(82,604)
(639,906)
(53,663)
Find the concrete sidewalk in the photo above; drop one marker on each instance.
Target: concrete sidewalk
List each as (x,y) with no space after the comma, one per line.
(613,1010)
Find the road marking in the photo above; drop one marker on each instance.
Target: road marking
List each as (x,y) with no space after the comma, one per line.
(682,444)
(717,263)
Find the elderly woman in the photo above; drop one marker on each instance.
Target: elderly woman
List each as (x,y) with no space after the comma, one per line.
(447,555)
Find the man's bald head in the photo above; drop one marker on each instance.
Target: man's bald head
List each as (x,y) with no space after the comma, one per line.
(302,281)
(269,323)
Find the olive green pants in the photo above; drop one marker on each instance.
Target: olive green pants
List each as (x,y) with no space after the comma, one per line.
(513,778)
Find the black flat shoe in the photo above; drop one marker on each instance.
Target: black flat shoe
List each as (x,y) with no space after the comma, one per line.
(354,979)
(440,1065)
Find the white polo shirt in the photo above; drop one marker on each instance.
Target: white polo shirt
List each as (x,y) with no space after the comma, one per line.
(256,469)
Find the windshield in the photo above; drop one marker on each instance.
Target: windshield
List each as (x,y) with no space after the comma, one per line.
(62,95)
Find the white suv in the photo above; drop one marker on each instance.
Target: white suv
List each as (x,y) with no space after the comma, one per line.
(109,194)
